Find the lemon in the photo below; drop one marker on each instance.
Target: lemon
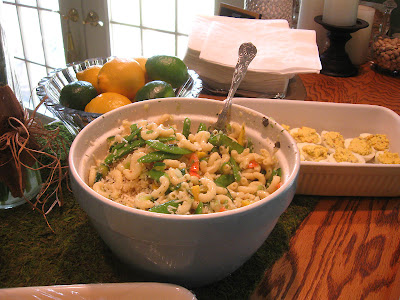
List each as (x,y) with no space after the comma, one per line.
(106,102)
(77,94)
(121,75)
(90,75)
(167,68)
(142,62)
(155,89)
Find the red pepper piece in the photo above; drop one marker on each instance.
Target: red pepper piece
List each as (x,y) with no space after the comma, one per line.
(195,165)
(253,164)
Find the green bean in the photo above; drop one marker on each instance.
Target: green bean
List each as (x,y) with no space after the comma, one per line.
(116,146)
(186,127)
(250,144)
(121,152)
(110,138)
(172,188)
(235,169)
(221,139)
(133,127)
(277,172)
(129,138)
(102,171)
(224,180)
(165,208)
(134,132)
(199,208)
(166,139)
(229,194)
(158,156)
(167,148)
(155,175)
(202,127)
(159,166)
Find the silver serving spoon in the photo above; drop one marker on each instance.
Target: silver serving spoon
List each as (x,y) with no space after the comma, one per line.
(247,52)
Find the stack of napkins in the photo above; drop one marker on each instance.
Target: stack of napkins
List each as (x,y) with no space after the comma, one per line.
(281,53)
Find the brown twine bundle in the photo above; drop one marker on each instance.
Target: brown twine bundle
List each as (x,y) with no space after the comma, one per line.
(23,143)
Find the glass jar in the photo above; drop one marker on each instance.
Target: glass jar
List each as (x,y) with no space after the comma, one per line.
(272,9)
(386,55)
(33,186)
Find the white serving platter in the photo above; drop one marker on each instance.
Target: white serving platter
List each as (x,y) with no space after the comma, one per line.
(339,179)
(109,291)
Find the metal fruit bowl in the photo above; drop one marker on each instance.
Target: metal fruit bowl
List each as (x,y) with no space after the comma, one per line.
(49,89)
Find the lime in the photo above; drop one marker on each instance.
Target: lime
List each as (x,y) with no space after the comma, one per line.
(77,94)
(155,89)
(167,68)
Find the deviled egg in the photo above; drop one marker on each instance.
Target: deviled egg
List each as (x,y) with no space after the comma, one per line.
(345,155)
(360,146)
(379,142)
(332,140)
(312,152)
(305,135)
(286,127)
(386,157)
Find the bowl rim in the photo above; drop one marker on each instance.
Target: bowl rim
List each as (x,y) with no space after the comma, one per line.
(291,179)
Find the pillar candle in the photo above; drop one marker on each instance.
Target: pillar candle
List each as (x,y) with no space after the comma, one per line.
(308,10)
(340,12)
(357,48)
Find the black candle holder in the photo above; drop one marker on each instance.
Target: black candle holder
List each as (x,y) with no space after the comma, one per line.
(335,60)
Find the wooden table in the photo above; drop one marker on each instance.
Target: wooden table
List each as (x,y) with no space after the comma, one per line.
(348,247)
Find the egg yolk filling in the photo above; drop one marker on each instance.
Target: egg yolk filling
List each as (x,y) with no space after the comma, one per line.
(306,135)
(334,139)
(316,152)
(344,155)
(379,141)
(360,146)
(389,158)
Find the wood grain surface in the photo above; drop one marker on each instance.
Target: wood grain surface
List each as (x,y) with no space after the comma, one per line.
(368,87)
(348,247)
(345,249)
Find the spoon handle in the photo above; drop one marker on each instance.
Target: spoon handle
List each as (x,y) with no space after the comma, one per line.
(247,52)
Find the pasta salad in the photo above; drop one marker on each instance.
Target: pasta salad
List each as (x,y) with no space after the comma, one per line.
(151,166)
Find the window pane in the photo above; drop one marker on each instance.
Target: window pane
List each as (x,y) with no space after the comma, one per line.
(22,78)
(188,9)
(125,41)
(11,28)
(158,43)
(182,46)
(52,37)
(36,73)
(31,34)
(125,11)
(49,4)
(159,14)
(27,2)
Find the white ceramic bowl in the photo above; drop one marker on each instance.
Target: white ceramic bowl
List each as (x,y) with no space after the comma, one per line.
(192,250)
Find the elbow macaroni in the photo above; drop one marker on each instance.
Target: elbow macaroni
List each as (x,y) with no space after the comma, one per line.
(129,182)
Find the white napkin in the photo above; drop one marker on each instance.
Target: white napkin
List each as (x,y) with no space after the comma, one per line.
(280,50)
(201,25)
